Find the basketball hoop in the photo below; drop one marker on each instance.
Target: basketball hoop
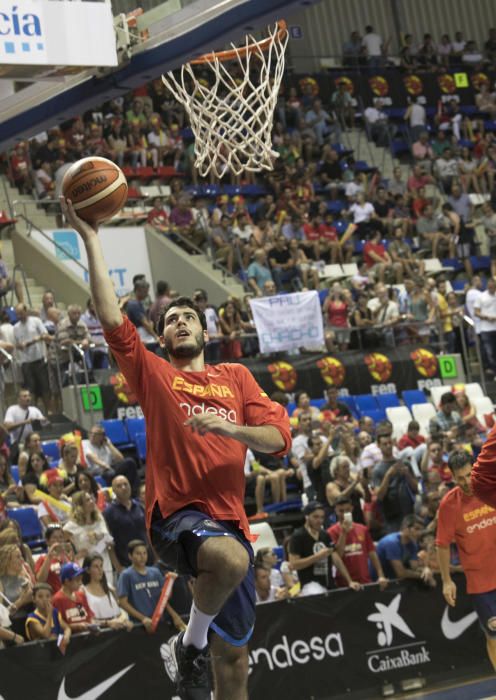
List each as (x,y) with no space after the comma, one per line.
(232,118)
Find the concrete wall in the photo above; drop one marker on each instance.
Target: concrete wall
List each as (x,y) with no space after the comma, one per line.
(48,271)
(185,272)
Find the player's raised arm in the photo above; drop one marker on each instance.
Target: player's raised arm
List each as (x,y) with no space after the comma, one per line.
(102,289)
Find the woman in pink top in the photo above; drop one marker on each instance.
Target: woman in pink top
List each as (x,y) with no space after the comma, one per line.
(336,311)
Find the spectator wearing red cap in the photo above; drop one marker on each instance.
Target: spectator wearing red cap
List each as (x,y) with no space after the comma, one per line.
(70,601)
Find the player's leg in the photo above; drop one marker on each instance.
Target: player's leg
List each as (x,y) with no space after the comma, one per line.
(230,667)
(491,650)
(222,564)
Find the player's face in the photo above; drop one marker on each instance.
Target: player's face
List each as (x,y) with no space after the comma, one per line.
(462,479)
(183,334)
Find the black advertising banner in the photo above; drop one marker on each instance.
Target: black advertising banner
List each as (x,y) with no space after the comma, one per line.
(345,644)
(395,87)
(354,372)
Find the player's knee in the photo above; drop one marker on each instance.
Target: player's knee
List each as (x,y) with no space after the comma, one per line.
(225,557)
(491,624)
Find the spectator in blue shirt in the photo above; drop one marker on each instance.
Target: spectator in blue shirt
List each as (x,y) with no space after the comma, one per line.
(138,316)
(258,272)
(139,585)
(125,519)
(398,553)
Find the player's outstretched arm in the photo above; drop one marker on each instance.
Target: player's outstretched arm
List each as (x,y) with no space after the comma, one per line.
(102,289)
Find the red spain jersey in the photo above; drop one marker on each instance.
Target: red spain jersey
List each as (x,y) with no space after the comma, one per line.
(484,471)
(470,523)
(184,468)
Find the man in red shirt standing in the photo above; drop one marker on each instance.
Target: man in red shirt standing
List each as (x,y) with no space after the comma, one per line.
(463,518)
(355,546)
(200,421)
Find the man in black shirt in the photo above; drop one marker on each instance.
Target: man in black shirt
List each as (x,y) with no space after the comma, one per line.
(312,554)
(330,171)
(283,266)
(394,485)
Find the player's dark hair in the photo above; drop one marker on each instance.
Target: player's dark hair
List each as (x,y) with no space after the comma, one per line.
(162,287)
(50,529)
(133,544)
(42,587)
(447,398)
(180,302)
(458,459)
(411,520)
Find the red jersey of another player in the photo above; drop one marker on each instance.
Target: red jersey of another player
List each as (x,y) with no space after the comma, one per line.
(484,471)
(357,547)
(470,523)
(184,468)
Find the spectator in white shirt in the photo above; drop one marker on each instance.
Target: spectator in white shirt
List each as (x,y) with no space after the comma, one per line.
(485,309)
(416,117)
(105,460)
(265,591)
(19,417)
(30,336)
(378,125)
(373,45)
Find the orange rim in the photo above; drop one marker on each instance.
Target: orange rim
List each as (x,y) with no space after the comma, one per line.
(243,50)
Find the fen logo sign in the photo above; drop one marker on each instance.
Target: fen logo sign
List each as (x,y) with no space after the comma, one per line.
(387,657)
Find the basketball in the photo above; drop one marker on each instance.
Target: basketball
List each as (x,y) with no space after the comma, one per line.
(97,188)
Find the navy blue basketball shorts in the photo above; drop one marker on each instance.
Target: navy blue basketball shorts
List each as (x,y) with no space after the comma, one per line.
(177,539)
(485,607)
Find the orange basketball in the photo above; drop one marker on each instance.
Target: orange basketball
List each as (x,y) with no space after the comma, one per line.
(96,187)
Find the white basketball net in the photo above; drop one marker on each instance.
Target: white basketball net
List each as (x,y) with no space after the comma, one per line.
(232,118)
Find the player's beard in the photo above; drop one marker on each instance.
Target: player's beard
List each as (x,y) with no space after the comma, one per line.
(186,350)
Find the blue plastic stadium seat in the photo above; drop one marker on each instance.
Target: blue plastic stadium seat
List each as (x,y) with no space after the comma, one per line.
(323,293)
(290,408)
(366,403)
(361,166)
(30,525)
(14,471)
(377,415)
(455,263)
(140,442)
(480,262)
(350,402)
(413,396)
(134,426)
(116,432)
(387,401)
(101,481)
(400,146)
(231,190)
(284,506)
(335,206)
(51,449)
(318,403)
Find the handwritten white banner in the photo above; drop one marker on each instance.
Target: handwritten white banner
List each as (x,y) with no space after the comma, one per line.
(288,321)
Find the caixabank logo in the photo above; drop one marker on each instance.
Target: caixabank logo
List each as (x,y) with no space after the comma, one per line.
(394,639)
(21,33)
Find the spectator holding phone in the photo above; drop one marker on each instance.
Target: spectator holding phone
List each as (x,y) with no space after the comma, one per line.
(394,485)
(354,545)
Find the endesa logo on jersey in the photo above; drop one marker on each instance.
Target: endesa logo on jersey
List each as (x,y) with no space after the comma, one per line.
(199,408)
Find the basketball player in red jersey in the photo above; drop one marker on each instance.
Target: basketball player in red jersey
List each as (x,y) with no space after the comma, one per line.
(465,519)
(200,420)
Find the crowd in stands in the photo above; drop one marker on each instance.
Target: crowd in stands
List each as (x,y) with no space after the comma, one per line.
(370,498)
(367,496)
